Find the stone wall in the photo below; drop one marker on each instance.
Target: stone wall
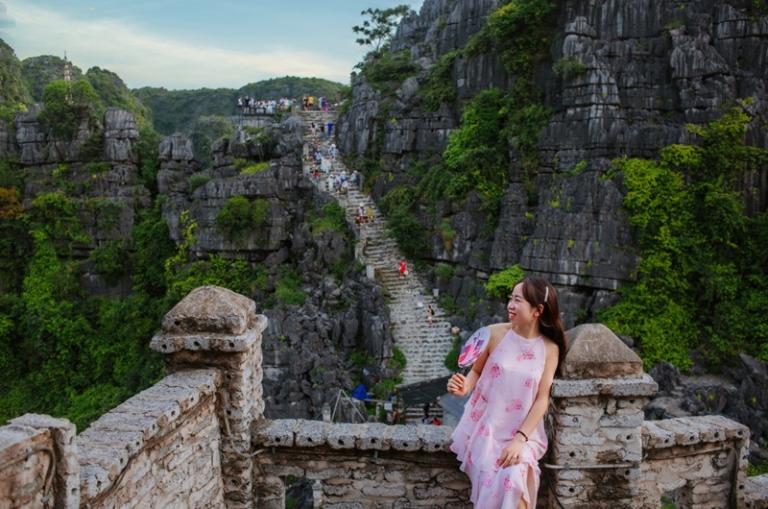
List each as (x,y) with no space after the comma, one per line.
(38,464)
(157,449)
(197,438)
(359,465)
(692,461)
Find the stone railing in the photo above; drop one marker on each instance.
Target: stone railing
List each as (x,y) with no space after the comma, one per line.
(359,465)
(197,438)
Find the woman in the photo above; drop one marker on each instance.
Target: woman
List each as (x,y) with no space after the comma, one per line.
(500,438)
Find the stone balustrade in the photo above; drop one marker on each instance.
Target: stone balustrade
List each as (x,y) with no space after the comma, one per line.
(358,465)
(197,438)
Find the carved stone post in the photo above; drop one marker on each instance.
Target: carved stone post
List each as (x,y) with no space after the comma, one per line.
(215,327)
(597,446)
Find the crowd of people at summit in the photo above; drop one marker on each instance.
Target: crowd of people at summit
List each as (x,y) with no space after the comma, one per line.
(248,105)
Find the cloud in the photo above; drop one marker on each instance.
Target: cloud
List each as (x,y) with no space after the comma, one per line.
(5,20)
(143,59)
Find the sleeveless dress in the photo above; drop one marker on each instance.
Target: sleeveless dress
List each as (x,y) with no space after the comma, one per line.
(499,404)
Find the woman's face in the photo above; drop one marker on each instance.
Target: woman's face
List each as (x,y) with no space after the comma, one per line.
(519,310)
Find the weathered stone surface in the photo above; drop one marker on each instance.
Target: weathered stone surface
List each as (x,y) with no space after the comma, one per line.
(594,351)
(211,309)
(756,492)
(120,135)
(644,386)
(650,67)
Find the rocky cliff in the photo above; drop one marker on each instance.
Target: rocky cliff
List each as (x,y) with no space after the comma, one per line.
(96,169)
(640,71)
(307,346)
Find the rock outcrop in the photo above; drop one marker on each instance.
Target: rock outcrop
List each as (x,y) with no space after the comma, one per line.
(645,69)
(97,168)
(306,347)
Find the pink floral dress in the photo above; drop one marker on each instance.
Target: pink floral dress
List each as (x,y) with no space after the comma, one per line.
(499,404)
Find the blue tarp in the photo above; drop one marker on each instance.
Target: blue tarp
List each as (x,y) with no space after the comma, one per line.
(360,392)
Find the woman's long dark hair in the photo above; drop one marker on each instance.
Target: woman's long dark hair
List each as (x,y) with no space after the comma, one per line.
(534,291)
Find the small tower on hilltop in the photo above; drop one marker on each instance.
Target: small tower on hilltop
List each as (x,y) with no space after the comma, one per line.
(68,78)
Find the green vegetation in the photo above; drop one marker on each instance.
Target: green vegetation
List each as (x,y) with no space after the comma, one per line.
(451,360)
(149,163)
(444,271)
(477,152)
(70,354)
(98,168)
(399,205)
(62,115)
(40,70)
(288,289)
(112,92)
(198,180)
(702,280)
(332,218)
(759,468)
(292,87)
(240,216)
(206,130)
(176,110)
(377,30)
(440,87)
(447,234)
(385,70)
(476,159)
(13,90)
(500,284)
(519,31)
(112,261)
(568,68)
(255,168)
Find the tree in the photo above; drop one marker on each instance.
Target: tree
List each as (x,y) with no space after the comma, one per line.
(378,29)
(65,105)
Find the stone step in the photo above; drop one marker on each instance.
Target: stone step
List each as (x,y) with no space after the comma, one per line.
(425,346)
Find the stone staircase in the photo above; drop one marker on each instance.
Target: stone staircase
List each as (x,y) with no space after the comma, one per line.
(424,346)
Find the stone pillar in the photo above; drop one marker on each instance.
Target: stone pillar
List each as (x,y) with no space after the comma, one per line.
(596,449)
(66,477)
(215,327)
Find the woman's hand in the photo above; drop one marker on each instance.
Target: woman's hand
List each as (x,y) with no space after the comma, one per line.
(457,385)
(512,452)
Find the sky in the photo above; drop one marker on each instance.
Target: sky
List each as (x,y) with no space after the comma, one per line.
(188,44)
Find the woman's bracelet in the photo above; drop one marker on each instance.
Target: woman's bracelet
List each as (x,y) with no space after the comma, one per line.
(524,435)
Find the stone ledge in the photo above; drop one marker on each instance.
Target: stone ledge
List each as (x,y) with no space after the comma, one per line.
(109,443)
(685,431)
(172,342)
(374,436)
(211,309)
(17,440)
(629,387)
(756,492)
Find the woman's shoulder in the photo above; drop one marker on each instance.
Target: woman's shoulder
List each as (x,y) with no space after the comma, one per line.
(498,331)
(550,346)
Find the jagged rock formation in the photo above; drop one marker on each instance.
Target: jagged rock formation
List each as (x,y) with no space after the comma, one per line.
(104,181)
(741,394)
(649,67)
(306,346)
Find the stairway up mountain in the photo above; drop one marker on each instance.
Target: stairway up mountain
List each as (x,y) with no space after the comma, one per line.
(425,346)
